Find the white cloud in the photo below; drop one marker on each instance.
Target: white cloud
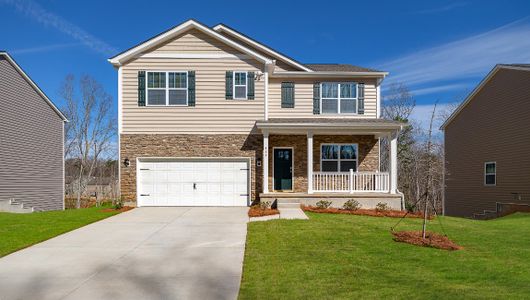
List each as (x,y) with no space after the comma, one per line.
(43,48)
(438,88)
(39,14)
(463,59)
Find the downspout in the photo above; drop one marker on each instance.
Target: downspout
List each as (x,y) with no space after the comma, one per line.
(120,125)
(269,66)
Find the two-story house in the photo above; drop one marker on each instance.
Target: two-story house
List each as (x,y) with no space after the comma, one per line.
(211,117)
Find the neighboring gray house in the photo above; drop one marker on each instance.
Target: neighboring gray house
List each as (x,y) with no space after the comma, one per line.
(32,143)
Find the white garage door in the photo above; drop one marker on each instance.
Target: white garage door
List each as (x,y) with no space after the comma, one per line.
(193,183)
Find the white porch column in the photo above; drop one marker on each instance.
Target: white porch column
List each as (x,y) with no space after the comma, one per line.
(265,163)
(393,163)
(310,162)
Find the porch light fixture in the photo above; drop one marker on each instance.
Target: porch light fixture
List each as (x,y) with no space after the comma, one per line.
(258,162)
(126,162)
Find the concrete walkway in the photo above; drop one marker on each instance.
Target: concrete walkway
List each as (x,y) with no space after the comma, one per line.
(146,253)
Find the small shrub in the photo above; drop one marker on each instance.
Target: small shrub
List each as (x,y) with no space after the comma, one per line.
(409,207)
(265,205)
(351,204)
(382,207)
(323,204)
(119,204)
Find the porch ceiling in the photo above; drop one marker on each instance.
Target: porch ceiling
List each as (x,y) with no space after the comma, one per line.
(331,126)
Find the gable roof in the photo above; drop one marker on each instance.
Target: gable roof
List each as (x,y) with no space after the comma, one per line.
(478,88)
(288,60)
(33,84)
(339,68)
(118,59)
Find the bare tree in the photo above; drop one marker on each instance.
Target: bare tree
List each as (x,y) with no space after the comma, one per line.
(91,128)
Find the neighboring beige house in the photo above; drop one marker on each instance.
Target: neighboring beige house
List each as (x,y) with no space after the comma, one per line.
(487,145)
(211,117)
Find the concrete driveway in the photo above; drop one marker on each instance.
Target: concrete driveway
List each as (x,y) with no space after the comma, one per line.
(146,253)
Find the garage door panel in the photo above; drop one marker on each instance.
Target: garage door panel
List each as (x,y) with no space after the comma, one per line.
(171,183)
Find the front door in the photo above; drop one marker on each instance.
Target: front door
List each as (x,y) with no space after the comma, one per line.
(283,169)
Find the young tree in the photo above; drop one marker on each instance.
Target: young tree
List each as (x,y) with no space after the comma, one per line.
(91,128)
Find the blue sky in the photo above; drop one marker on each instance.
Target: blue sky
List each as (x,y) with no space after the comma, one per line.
(439,49)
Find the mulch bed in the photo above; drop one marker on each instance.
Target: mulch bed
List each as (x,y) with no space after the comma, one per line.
(256,211)
(364,212)
(123,209)
(432,239)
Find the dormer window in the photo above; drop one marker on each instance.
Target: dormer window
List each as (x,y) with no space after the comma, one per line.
(338,98)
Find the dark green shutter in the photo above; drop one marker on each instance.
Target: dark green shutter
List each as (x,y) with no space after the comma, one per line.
(360,90)
(191,88)
(250,85)
(316,98)
(141,88)
(229,85)
(287,94)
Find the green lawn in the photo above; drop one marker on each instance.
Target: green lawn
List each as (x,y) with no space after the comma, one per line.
(18,231)
(350,257)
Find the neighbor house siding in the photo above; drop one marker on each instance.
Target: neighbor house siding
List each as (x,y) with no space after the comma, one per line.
(494,126)
(212,113)
(31,138)
(303,104)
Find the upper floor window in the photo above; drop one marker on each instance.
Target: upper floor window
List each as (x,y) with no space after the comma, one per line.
(167,88)
(338,157)
(490,173)
(240,85)
(338,98)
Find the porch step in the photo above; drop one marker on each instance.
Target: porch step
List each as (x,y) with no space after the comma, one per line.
(13,206)
(288,204)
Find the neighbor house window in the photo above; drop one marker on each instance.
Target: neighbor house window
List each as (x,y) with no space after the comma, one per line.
(167,88)
(338,98)
(240,85)
(338,157)
(490,173)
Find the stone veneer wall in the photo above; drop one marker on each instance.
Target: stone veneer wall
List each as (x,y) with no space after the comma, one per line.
(162,145)
(167,145)
(368,154)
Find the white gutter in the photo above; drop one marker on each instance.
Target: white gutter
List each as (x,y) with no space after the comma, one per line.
(266,74)
(327,74)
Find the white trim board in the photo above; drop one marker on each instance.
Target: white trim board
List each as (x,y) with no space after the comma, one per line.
(175,31)
(33,85)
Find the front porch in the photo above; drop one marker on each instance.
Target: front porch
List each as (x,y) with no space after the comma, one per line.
(337,159)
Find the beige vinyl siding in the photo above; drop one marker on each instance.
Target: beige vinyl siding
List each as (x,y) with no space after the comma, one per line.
(304,98)
(212,113)
(280,65)
(194,41)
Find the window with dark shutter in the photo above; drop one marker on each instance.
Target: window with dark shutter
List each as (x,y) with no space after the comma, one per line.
(229,85)
(141,88)
(360,98)
(250,85)
(191,88)
(287,94)
(316,98)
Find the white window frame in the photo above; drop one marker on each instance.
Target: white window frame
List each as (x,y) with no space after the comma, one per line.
(486,173)
(338,160)
(339,98)
(234,85)
(167,88)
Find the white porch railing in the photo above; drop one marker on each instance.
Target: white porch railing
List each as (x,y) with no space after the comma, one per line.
(351,182)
